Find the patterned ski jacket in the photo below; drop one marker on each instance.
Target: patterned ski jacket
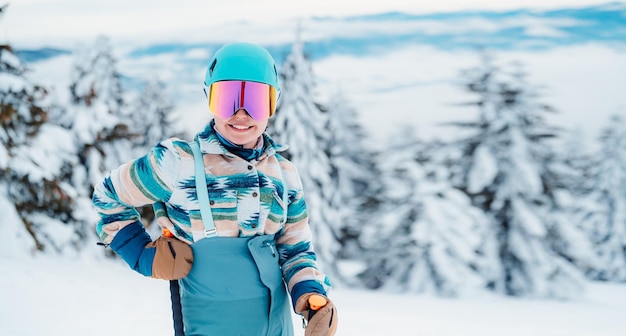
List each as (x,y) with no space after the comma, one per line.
(246,199)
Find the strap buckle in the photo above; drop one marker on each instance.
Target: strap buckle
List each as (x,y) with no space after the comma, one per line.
(210,233)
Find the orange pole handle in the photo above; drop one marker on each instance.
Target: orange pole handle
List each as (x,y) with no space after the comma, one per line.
(166,232)
(317,301)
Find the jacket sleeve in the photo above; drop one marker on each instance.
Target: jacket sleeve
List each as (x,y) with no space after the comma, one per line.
(130,244)
(295,245)
(143,181)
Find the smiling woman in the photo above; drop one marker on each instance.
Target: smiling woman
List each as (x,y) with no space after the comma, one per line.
(232,207)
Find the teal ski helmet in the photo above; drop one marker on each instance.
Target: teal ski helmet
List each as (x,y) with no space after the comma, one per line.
(242,61)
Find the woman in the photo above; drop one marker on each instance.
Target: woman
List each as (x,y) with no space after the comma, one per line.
(239,239)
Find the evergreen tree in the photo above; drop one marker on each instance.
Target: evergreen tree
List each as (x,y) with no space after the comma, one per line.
(98,114)
(428,237)
(36,158)
(354,174)
(607,220)
(569,178)
(152,116)
(505,169)
(114,125)
(302,123)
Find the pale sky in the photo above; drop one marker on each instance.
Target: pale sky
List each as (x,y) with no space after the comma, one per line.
(35,21)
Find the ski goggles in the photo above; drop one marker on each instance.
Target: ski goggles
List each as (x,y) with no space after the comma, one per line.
(229,96)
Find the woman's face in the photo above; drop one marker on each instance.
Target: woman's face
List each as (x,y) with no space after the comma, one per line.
(241,129)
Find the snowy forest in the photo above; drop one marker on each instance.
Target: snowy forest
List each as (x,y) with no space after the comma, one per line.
(513,205)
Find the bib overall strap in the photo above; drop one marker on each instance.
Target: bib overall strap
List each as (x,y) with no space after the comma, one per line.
(201,189)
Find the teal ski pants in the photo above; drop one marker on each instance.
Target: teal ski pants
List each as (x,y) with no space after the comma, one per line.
(235,287)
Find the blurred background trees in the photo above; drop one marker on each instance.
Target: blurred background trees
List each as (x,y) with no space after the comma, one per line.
(512,205)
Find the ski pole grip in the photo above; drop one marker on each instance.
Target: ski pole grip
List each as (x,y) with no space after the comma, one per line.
(166,233)
(317,301)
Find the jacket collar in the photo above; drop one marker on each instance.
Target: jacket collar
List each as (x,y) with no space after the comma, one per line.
(210,144)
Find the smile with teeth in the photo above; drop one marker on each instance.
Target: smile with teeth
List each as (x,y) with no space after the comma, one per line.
(241,127)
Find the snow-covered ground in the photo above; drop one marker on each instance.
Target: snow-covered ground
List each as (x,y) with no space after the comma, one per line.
(48,296)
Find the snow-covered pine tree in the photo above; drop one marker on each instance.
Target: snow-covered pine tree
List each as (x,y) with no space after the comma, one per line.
(353,172)
(301,122)
(505,171)
(152,116)
(427,237)
(570,182)
(98,114)
(36,158)
(607,221)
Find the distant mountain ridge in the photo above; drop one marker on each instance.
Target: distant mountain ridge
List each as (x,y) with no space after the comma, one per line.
(522,29)
(34,55)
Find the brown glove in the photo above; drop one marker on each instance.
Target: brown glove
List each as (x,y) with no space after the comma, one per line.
(321,321)
(172,260)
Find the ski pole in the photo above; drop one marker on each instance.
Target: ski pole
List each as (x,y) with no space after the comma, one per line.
(177,312)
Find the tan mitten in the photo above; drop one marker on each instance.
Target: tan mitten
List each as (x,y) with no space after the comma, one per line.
(321,321)
(172,260)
